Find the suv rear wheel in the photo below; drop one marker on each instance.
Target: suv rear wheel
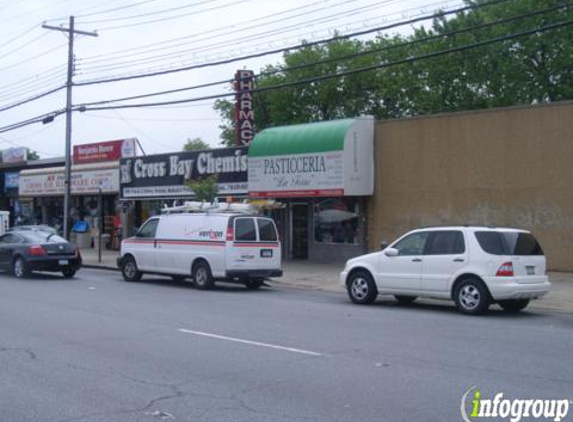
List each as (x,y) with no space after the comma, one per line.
(361,288)
(471,297)
(513,305)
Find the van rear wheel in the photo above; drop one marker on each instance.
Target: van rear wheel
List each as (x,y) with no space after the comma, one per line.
(254,283)
(202,276)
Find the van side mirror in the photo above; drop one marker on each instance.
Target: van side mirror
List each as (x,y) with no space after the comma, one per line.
(390,252)
(383,245)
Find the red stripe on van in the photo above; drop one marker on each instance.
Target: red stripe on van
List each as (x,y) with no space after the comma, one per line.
(191,242)
(256,245)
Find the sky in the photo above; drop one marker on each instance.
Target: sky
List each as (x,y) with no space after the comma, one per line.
(145,36)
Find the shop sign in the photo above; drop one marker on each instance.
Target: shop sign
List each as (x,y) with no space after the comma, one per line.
(11,180)
(104,151)
(14,155)
(244,114)
(165,175)
(325,168)
(84,182)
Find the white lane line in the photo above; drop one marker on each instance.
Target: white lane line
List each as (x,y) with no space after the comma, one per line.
(252,343)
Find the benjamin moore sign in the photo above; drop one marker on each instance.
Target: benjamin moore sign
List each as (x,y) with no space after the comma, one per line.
(318,159)
(165,175)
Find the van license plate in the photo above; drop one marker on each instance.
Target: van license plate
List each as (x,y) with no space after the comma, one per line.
(530,270)
(266,253)
(63,262)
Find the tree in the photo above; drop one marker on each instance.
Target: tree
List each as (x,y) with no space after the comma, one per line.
(205,189)
(195,144)
(528,69)
(32,155)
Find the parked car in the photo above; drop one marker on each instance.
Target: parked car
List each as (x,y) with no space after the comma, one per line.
(205,246)
(35,227)
(24,251)
(471,265)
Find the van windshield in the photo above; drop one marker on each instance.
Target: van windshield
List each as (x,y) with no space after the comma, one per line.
(508,243)
(267,231)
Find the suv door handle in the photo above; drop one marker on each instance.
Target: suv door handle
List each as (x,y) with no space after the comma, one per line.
(417,260)
(458,260)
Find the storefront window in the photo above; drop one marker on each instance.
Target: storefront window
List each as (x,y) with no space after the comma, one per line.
(337,220)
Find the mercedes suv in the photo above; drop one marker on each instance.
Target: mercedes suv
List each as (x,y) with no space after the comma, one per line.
(471,265)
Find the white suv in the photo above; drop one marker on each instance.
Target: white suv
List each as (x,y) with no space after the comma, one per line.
(473,266)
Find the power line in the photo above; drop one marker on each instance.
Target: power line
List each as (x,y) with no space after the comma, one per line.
(109,28)
(237,41)
(34,98)
(33,58)
(300,46)
(345,57)
(17,37)
(157,12)
(115,9)
(239,28)
(345,73)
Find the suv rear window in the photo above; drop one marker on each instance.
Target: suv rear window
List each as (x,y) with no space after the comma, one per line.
(267,232)
(508,243)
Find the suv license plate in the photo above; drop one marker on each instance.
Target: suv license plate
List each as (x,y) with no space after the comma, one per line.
(63,262)
(530,270)
(266,253)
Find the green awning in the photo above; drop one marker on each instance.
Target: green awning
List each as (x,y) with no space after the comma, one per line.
(301,139)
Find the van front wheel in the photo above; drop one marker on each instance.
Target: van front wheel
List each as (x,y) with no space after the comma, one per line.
(202,276)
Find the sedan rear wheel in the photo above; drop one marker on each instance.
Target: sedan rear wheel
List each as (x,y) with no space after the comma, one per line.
(361,288)
(20,268)
(69,272)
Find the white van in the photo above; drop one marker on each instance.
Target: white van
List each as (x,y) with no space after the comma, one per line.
(205,246)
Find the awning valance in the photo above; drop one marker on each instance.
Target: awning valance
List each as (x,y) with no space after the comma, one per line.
(333,158)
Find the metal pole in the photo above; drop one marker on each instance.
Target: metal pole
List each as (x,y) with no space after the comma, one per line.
(100,223)
(68,171)
(67,174)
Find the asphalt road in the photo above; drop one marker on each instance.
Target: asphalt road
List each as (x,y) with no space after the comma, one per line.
(96,348)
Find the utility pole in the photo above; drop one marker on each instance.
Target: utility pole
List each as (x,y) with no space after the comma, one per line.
(71,31)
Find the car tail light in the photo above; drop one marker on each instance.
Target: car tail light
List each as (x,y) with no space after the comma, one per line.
(36,250)
(505,270)
(230,233)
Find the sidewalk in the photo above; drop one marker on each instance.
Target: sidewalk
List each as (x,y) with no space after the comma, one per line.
(324,277)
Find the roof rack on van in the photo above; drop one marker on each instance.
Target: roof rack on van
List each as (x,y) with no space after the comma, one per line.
(244,207)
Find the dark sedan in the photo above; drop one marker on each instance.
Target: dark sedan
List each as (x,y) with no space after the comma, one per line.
(24,251)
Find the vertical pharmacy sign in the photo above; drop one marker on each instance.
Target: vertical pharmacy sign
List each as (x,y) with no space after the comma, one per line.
(244,114)
(334,158)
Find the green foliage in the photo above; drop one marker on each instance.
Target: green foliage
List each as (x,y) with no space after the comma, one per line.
(524,70)
(195,144)
(32,155)
(205,189)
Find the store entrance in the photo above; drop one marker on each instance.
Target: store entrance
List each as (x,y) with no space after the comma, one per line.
(299,224)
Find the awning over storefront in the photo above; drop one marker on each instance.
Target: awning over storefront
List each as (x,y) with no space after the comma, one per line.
(334,158)
(86,179)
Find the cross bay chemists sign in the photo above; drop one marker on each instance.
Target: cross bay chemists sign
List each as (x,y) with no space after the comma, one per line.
(165,175)
(333,158)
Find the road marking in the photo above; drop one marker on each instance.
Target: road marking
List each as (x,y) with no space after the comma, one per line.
(252,343)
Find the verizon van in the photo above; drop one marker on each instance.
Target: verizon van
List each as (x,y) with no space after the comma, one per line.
(206,246)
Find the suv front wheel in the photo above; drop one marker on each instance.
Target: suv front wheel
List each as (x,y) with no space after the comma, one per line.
(471,297)
(361,288)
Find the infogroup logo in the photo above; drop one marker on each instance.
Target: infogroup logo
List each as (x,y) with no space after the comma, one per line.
(474,407)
